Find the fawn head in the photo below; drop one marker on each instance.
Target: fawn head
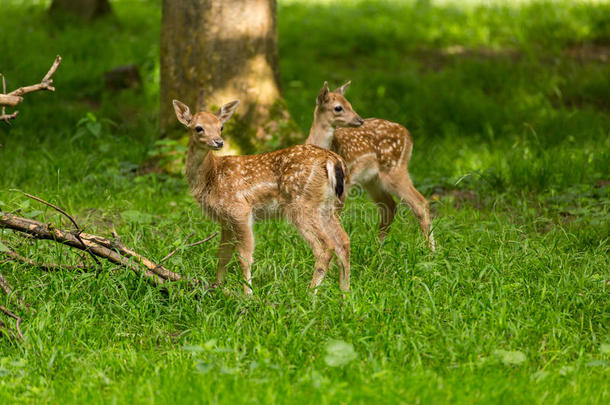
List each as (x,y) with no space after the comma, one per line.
(205,127)
(336,109)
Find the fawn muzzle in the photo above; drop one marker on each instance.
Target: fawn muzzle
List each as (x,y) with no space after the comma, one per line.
(216,144)
(356,122)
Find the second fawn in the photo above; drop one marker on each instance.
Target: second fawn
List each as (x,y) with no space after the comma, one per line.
(377,154)
(304,184)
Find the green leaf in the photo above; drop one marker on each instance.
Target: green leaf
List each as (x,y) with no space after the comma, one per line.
(33,214)
(210,344)
(540,375)
(598,363)
(95,128)
(511,358)
(605,348)
(204,367)
(192,348)
(339,353)
(4,248)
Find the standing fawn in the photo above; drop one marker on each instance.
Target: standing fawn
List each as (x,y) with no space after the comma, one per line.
(304,184)
(377,154)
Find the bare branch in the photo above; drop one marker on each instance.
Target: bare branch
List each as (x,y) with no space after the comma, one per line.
(7,117)
(3,92)
(55,207)
(5,286)
(51,72)
(201,241)
(7,100)
(178,248)
(77,235)
(13,98)
(45,84)
(183,246)
(12,315)
(114,252)
(44,266)
(8,290)
(3,115)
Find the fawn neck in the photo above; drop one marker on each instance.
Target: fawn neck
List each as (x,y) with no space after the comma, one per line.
(321,132)
(200,163)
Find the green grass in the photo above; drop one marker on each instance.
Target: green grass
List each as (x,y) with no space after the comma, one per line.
(512,141)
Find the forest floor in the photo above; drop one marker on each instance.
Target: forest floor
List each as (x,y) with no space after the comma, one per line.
(508,106)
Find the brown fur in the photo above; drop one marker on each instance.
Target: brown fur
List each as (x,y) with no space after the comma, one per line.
(293,183)
(377,153)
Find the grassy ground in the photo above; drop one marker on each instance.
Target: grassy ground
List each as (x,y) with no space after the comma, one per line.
(508,106)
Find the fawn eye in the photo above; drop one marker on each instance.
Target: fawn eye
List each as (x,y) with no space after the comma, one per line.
(338,108)
(199,128)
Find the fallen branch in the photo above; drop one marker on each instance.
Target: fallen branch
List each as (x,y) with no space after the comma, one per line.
(45,83)
(17,318)
(8,290)
(14,256)
(56,208)
(114,252)
(13,98)
(188,246)
(5,286)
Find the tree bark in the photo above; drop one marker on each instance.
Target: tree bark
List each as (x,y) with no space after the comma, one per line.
(215,51)
(86,9)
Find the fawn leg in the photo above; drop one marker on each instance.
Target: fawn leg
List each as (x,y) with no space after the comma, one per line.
(342,249)
(225,252)
(245,247)
(386,205)
(400,183)
(322,245)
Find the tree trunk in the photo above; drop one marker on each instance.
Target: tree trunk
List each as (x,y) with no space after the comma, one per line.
(215,51)
(86,9)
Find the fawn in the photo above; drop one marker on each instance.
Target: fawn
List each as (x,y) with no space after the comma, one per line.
(304,184)
(377,154)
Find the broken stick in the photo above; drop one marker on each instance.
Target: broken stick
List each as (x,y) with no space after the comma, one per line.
(13,98)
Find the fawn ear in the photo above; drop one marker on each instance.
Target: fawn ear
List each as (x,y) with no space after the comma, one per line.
(323,95)
(225,112)
(341,90)
(182,112)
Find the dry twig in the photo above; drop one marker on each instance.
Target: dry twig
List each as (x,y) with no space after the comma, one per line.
(78,230)
(101,247)
(5,286)
(18,318)
(173,252)
(13,98)
(8,290)
(14,256)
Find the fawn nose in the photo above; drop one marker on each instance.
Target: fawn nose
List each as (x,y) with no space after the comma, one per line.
(219,143)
